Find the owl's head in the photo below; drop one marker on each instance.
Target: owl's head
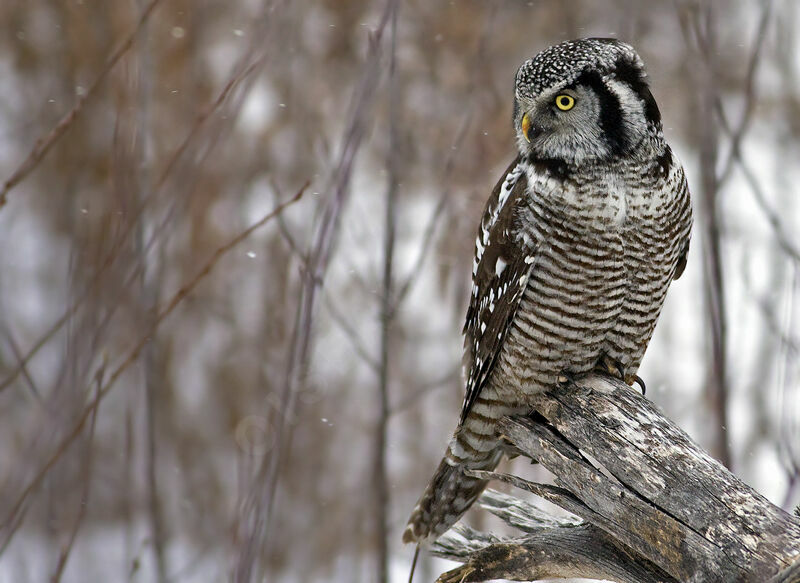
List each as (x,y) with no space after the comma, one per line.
(584,100)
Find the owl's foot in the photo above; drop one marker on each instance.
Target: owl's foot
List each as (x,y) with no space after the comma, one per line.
(610,366)
(565,378)
(613,367)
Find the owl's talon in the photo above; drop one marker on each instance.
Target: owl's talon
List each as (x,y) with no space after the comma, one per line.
(638,380)
(565,379)
(610,366)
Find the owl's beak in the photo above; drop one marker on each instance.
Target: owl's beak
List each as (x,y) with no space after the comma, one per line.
(526,127)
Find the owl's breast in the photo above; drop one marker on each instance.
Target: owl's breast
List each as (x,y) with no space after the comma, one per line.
(654,234)
(572,298)
(600,200)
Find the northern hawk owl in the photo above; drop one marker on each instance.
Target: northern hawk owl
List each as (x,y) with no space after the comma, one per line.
(577,246)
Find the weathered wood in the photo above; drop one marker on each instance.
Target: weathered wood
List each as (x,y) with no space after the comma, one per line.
(552,548)
(648,495)
(788,575)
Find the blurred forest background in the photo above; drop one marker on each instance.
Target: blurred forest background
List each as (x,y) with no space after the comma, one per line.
(184,398)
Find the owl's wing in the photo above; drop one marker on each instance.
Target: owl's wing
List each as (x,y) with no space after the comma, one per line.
(681,265)
(499,274)
(683,218)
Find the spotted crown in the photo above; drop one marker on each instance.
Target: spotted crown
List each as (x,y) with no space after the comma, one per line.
(562,64)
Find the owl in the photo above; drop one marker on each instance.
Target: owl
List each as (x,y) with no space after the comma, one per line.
(576,248)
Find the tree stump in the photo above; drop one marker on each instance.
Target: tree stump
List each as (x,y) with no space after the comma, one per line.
(650,504)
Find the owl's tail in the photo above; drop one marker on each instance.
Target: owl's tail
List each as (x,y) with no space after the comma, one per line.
(448,495)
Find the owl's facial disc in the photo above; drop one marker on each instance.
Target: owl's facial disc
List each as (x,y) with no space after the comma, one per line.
(584,100)
(547,113)
(562,123)
(594,118)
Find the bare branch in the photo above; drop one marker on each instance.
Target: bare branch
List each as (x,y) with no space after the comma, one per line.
(21,365)
(87,472)
(784,240)
(130,226)
(133,354)
(380,479)
(258,506)
(350,333)
(412,398)
(711,225)
(336,314)
(449,167)
(430,229)
(749,91)
(44,144)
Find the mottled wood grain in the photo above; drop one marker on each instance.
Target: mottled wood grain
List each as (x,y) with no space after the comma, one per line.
(652,505)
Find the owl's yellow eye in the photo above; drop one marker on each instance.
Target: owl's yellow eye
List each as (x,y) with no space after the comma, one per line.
(565,102)
(526,127)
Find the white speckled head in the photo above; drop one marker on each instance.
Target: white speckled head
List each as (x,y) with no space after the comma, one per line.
(610,108)
(563,63)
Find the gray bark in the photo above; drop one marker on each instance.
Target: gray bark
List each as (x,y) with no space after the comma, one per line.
(651,505)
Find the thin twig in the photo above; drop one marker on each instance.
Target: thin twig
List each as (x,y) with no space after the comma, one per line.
(433,222)
(84,501)
(449,166)
(711,225)
(133,354)
(43,145)
(750,96)
(772,217)
(148,283)
(412,398)
(336,314)
(21,364)
(788,431)
(350,333)
(379,471)
(112,255)
(259,504)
